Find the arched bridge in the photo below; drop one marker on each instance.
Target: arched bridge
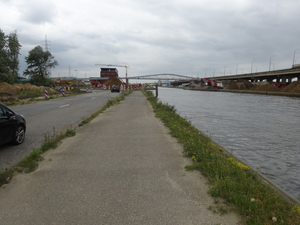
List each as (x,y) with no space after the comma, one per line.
(162,76)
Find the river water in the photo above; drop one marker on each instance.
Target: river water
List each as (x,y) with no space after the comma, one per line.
(261,130)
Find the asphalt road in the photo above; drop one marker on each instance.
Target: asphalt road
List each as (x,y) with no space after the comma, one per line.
(122,168)
(55,115)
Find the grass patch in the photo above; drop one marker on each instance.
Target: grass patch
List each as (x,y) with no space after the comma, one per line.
(36,92)
(30,163)
(257,202)
(70,133)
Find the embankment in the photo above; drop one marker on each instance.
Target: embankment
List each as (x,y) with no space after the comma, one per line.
(243,86)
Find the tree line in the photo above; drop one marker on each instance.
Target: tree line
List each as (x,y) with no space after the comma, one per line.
(39,62)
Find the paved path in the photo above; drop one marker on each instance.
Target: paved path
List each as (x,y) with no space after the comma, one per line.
(122,168)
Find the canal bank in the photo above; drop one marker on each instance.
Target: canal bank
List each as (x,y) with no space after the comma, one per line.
(256,199)
(263,88)
(248,92)
(121,168)
(261,130)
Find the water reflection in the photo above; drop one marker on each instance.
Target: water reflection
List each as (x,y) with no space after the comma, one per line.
(261,130)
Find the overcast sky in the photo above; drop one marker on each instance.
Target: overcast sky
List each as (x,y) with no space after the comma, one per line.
(187,37)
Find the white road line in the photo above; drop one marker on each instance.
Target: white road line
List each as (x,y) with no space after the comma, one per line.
(64,106)
(93,97)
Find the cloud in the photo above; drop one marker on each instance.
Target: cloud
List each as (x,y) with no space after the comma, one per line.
(37,12)
(185,37)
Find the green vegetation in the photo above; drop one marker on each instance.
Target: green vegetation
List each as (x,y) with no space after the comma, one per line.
(30,93)
(257,202)
(39,63)
(9,57)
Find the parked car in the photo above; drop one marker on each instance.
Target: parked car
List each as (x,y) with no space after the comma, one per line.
(115,88)
(12,126)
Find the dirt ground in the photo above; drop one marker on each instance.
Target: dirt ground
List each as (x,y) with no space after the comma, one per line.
(293,87)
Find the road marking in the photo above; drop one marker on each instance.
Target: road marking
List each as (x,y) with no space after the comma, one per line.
(64,106)
(93,97)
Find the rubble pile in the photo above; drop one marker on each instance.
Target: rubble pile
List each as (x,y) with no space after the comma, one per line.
(293,87)
(112,81)
(238,85)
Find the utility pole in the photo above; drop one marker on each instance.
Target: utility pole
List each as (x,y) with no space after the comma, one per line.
(47,44)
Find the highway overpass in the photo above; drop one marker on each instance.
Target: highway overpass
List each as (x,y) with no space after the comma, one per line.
(283,76)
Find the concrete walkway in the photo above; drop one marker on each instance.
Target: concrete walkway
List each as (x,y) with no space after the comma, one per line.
(122,168)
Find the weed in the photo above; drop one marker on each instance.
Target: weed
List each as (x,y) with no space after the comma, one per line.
(51,140)
(26,93)
(70,133)
(83,122)
(6,176)
(30,163)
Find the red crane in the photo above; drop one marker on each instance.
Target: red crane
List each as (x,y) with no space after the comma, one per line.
(117,66)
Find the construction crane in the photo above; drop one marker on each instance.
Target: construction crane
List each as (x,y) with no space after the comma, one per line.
(116,66)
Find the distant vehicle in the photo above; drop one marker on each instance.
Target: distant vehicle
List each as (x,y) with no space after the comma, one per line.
(115,88)
(279,84)
(12,126)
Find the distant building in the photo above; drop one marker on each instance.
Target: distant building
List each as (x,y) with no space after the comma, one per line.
(105,74)
(164,83)
(109,72)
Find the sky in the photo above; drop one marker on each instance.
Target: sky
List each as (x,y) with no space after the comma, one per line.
(199,38)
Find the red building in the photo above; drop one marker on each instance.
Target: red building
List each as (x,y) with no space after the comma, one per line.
(109,72)
(105,74)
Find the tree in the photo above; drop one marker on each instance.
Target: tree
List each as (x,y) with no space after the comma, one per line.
(9,53)
(3,56)
(39,63)
(13,52)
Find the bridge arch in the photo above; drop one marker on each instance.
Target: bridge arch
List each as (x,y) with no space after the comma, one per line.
(161,76)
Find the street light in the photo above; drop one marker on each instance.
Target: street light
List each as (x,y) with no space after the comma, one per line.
(252,65)
(237,68)
(294,56)
(270,62)
(224,70)
(273,66)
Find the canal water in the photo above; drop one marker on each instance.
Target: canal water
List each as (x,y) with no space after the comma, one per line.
(261,130)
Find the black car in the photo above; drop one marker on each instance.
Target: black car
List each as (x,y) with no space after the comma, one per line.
(12,126)
(115,88)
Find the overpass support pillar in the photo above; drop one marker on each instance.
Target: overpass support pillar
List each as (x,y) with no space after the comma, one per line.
(284,80)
